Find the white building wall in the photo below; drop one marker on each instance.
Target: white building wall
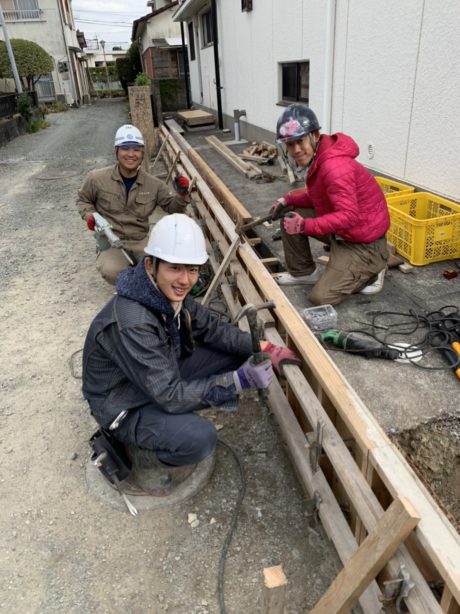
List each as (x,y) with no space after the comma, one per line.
(161,26)
(48,34)
(396,70)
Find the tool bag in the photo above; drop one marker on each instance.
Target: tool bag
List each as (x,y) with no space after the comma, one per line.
(109,456)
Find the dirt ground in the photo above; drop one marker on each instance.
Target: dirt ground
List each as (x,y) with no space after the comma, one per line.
(61,549)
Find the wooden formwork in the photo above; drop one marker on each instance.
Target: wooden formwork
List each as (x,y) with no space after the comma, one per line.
(344,460)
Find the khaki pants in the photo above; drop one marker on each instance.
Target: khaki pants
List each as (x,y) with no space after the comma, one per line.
(351,265)
(111,261)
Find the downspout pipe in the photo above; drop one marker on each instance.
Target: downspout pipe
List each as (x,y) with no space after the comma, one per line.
(216,62)
(328,66)
(186,68)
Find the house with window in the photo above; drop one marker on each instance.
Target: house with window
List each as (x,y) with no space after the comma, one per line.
(161,47)
(386,73)
(50,24)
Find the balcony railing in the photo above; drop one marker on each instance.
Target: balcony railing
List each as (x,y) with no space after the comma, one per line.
(32,15)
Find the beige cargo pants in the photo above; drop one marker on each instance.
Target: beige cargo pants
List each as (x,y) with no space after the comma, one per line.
(111,261)
(351,265)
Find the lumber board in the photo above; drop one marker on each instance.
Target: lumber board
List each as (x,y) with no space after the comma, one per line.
(330,514)
(391,531)
(435,533)
(211,187)
(448,604)
(421,598)
(377,452)
(171,123)
(249,170)
(274,593)
(196,117)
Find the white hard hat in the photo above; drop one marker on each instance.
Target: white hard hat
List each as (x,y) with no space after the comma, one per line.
(178,239)
(129,135)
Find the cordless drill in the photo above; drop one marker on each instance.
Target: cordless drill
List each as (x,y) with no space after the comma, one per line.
(358,344)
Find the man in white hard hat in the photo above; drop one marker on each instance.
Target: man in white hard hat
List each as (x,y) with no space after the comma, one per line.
(126,196)
(154,355)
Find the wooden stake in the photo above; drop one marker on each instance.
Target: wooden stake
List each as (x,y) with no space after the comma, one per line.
(274,593)
(375,551)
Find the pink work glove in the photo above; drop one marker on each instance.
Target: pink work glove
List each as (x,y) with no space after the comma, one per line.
(91,222)
(293,223)
(281,356)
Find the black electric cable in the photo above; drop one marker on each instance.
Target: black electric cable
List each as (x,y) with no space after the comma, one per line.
(232,527)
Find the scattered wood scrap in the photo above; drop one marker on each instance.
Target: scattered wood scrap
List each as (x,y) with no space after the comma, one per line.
(285,166)
(245,168)
(262,153)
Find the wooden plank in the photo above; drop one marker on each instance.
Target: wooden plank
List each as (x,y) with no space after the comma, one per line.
(196,117)
(435,533)
(241,166)
(274,591)
(171,123)
(448,603)
(354,414)
(378,547)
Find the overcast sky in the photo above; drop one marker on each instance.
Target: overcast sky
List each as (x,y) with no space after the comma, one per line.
(111,20)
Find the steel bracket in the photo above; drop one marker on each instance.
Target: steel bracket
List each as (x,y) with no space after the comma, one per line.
(316,445)
(396,591)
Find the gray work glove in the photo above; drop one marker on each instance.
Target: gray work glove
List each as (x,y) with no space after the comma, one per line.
(253,375)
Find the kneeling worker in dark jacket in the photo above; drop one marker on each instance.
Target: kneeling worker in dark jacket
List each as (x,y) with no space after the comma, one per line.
(154,355)
(342,205)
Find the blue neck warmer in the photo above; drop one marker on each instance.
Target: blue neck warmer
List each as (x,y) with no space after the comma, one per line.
(134,283)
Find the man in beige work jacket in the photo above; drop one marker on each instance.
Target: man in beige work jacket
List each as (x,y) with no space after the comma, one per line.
(126,196)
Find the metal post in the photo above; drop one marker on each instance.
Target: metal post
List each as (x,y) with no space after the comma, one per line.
(105,64)
(9,49)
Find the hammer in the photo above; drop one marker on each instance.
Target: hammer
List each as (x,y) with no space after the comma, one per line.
(250,311)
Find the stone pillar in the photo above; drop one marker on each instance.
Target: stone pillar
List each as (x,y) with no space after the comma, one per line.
(141,116)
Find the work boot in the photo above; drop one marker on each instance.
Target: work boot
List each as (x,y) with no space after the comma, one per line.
(286,279)
(152,476)
(376,284)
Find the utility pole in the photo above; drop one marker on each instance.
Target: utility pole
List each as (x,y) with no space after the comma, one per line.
(17,80)
(105,64)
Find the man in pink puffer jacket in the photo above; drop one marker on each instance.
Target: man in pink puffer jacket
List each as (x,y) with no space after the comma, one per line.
(342,205)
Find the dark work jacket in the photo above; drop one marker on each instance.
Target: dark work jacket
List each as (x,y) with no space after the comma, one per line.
(133,348)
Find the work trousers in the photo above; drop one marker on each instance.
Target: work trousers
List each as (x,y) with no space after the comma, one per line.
(350,268)
(111,261)
(178,439)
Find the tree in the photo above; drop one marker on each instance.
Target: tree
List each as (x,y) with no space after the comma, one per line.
(32,61)
(129,67)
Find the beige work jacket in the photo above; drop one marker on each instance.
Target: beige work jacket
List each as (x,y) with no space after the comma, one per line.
(104,191)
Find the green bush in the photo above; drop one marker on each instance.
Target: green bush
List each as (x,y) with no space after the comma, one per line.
(55,107)
(25,106)
(142,79)
(36,125)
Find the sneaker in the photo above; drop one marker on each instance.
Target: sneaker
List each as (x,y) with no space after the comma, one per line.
(286,279)
(376,286)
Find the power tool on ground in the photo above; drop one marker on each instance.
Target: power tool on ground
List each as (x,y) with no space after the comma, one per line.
(357,343)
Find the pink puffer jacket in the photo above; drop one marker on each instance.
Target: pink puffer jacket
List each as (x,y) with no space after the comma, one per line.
(347,199)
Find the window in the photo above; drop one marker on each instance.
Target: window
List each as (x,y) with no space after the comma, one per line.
(295,81)
(20,10)
(206,25)
(246,5)
(191,41)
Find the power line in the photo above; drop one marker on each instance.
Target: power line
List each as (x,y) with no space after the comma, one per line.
(105,23)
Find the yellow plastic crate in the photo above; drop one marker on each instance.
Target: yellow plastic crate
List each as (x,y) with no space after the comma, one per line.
(393,188)
(424,228)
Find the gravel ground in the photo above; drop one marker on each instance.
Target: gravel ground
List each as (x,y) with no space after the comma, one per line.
(62,550)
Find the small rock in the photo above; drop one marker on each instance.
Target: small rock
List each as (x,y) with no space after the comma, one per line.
(191,518)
